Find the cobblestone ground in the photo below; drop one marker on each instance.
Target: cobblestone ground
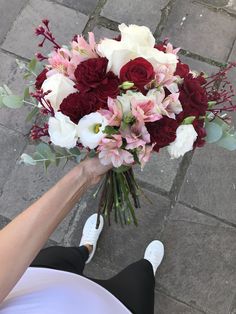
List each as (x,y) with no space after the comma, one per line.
(193,207)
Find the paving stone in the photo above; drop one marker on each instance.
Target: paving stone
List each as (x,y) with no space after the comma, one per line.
(25,185)
(233,307)
(65,24)
(139,12)
(216,3)
(231,6)
(9,10)
(210,182)
(118,247)
(199,266)
(167,305)
(13,77)
(84,6)
(160,171)
(11,146)
(198,29)
(3,221)
(198,65)
(101,32)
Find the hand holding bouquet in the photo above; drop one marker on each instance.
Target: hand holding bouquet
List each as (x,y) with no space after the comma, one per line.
(121,99)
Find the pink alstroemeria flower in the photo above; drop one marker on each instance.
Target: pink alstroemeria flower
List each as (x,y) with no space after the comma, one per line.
(144,154)
(81,51)
(144,110)
(137,136)
(59,61)
(110,151)
(115,114)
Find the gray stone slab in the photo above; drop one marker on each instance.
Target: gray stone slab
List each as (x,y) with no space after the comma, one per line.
(101,32)
(3,221)
(64,24)
(210,182)
(139,12)
(233,307)
(25,185)
(13,77)
(215,3)
(160,171)
(11,146)
(118,247)
(198,29)
(167,305)
(84,6)
(199,266)
(9,12)
(198,65)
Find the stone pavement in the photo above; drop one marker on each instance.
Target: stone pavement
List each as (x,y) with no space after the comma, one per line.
(193,208)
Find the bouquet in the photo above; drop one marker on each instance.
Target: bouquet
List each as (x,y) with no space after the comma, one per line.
(122,100)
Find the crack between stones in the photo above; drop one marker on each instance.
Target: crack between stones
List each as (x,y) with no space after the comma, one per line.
(216,8)
(165,12)
(221,220)
(167,294)
(195,56)
(231,49)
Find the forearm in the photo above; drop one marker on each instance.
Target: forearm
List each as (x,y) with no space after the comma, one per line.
(21,240)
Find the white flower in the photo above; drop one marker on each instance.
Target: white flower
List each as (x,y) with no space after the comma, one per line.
(60,86)
(185,137)
(136,41)
(63,132)
(91,128)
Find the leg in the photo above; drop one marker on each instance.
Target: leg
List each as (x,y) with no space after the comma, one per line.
(71,259)
(134,287)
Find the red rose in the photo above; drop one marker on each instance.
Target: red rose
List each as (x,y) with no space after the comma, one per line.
(90,73)
(40,79)
(182,69)
(77,105)
(162,132)
(109,87)
(193,96)
(139,71)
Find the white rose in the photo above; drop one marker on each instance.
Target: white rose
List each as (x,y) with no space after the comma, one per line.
(60,86)
(63,132)
(136,41)
(91,128)
(185,137)
(137,35)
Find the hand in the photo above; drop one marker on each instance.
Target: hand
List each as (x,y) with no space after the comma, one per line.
(94,170)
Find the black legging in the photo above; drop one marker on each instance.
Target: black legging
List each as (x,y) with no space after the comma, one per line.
(133,286)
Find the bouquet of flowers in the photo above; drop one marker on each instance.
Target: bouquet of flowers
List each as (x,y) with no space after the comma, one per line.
(121,99)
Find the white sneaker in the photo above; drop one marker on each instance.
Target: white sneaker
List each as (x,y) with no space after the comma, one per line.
(154,254)
(91,234)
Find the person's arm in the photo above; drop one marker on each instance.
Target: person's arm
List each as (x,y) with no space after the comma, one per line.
(21,239)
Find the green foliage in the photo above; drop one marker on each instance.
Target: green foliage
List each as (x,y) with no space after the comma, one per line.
(110,130)
(7,99)
(188,120)
(214,132)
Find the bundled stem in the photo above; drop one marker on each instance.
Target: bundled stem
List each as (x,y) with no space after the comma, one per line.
(116,192)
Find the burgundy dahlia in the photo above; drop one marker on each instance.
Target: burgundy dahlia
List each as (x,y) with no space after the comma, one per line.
(139,71)
(90,73)
(109,87)
(77,105)
(162,132)
(182,69)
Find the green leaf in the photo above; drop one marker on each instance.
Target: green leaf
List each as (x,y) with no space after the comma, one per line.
(1,102)
(45,151)
(27,75)
(110,130)
(26,93)
(228,141)
(92,153)
(214,132)
(12,101)
(211,104)
(7,89)
(46,164)
(74,151)
(32,64)
(27,160)
(60,151)
(32,114)
(188,120)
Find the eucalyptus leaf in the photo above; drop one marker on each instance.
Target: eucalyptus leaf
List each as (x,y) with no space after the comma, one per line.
(75,151)
(60,151)
(12,101)
(32,64)
(45,151)
(32,114)
(228,141)
(26,93)
(214,132)
(7,89)
(28,160)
